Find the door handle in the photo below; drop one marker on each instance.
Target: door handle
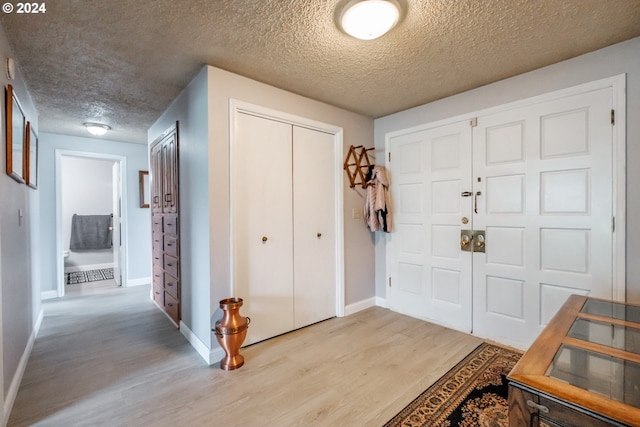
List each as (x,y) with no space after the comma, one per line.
(264,239)
(466,238)
(479,243)
(475,201)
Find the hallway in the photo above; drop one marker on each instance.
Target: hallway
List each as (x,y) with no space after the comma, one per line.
(95,348)
(110,357)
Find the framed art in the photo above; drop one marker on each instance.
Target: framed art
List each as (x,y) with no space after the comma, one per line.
(31,152)
(143,177)
(16,137)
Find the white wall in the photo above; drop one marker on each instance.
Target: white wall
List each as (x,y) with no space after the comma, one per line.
(190,110)
(87,189)
(19,242)
(138,219)
(617,59)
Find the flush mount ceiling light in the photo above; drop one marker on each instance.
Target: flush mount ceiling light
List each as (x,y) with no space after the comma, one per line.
(97,129)
(369,19)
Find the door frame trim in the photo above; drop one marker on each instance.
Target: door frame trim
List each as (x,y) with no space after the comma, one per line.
(618,86)
(59,154)
(237,107)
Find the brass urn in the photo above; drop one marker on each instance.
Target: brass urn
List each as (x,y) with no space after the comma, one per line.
(231,331)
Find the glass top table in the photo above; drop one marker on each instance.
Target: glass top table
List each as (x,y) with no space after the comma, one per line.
(588,356)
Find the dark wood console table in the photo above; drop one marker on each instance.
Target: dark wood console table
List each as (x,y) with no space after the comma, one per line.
(583,370)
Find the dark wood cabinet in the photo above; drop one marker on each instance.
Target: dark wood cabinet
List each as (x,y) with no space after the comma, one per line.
(583,370)
(530,408)
(165,220)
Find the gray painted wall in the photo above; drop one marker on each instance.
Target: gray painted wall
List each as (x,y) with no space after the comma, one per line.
(19,275)
(190,110)
(138,219)
(617,59)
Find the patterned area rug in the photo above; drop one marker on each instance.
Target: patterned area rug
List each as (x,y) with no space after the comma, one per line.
(89,276)
(472,393)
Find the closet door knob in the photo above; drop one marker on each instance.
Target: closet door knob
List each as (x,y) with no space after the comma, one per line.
(319,235)
(264,239)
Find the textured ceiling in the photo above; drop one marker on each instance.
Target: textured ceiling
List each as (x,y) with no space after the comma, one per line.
(122,62)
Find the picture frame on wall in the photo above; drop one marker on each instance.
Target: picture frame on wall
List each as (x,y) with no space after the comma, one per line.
(16,137)
(143,177)
(31,151)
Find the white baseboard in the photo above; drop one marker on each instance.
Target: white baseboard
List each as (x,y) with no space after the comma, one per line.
(359,306)
(216,355)
(381,302)
(87,267)
(211,356)
(12,393)
(48,295)
(364,304)
(139,282)
(39,320)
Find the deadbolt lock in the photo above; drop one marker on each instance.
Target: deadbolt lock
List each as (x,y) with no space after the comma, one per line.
(472,240)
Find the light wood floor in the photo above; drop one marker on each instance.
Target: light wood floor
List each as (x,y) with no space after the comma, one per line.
(110,357)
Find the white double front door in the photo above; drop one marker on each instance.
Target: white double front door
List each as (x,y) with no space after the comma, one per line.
(538,181)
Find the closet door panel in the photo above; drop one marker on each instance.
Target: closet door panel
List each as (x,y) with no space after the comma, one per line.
(314,226)
(156,179)
(170,159)
(262,225)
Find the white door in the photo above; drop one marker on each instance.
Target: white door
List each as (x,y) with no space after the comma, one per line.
(545,177)
(430,277)
(262,225)
(115,225)
(540,185)
(314,226)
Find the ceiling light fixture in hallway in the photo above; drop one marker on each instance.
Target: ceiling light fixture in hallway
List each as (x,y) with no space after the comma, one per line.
(97,129)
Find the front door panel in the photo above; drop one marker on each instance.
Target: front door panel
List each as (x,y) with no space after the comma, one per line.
(430,275)
(545,174)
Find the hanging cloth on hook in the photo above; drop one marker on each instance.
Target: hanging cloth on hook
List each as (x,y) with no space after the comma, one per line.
(377,208)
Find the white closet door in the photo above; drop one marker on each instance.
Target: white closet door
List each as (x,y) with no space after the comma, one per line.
(314,226)
(430,277)
(546,205)
(262,225)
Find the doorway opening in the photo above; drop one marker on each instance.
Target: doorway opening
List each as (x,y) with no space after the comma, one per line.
(90,233)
